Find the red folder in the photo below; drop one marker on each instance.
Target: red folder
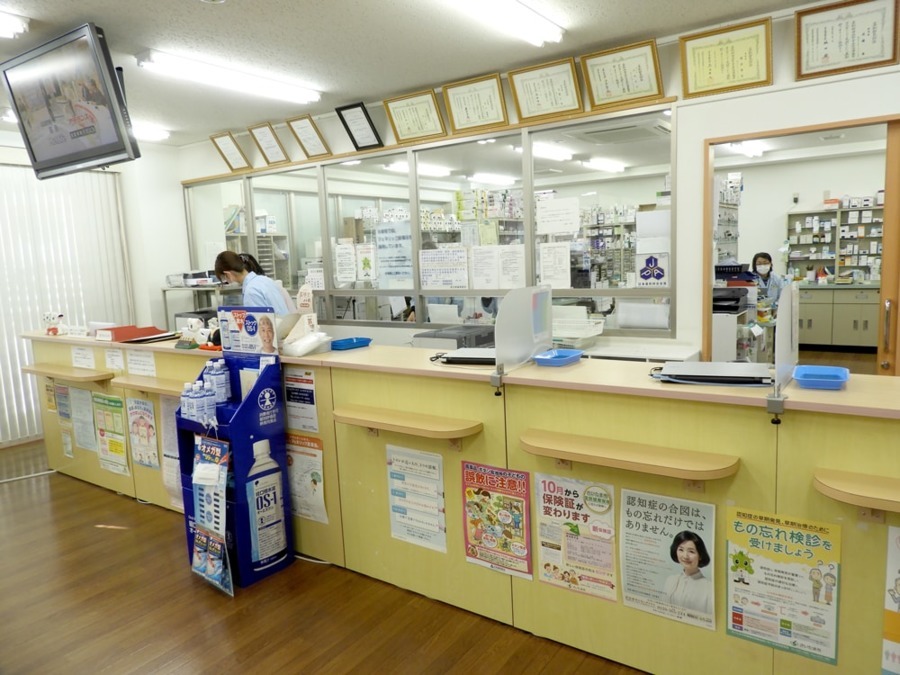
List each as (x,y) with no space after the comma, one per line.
(133,334)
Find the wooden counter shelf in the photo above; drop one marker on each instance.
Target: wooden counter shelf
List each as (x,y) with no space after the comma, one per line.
(68,373)
(149,385)
(859,489)
(652,459)
(413,424)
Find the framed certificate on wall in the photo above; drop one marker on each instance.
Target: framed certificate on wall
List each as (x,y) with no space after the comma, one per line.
(727,59)
(231,152)
(846,36)
(415,116)
(359,126)
(477,103)
(269,144)
(308,137)
(547,90)
(623,75)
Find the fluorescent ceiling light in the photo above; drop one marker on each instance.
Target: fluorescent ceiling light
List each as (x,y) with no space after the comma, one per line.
(748,148)
(603,164)
(225,77)
(423,169)
(149,132)
(352,162)
(549,151)
(7,115)
(492,179)
(11,25)
(485,141)
(513,18)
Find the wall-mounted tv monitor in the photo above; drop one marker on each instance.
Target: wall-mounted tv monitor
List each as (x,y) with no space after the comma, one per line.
(70,104)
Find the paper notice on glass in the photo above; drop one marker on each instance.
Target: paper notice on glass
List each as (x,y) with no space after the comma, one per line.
(307,477)
(344,263)
(393,249)
(315,277)
(444,268)
(653,270)
(488,234)
(171,469)
(653,224)
(680,587)
(485,266)
(416,494)
(300,399)
(83,357)
(558,216)
(365,262)
(512,266)
(141,363)
(576,534)
(83,418)
(555,264)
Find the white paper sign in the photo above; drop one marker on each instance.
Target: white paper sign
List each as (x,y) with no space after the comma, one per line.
(141,363)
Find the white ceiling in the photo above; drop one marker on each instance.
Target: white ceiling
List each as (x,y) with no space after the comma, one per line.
(350,50)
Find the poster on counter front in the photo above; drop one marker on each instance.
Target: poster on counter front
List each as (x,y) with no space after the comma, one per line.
(497,524)
(307,477)
(784,582)
(890,651)
(142,432)
(576,535)
(300,399)
(416,495)
(109,420)
(667,557)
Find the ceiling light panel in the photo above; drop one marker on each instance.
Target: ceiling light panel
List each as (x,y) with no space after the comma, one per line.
(512,18)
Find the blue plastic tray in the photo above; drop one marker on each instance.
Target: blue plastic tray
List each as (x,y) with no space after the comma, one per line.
(558,357)
(350,343)
(821,377)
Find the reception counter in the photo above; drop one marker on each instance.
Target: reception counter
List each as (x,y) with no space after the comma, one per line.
(830,459)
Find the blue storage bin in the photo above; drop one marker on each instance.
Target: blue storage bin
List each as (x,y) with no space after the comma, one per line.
(350,343)
(821,377)
(558,357)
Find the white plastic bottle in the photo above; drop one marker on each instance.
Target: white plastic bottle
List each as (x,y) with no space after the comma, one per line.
(226,378)
(220,381)
(264,499)
(209,403)
(197,402)
(186,402)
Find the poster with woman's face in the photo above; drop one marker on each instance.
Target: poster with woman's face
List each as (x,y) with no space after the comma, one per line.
(667,549)
(142,432)
(250,330)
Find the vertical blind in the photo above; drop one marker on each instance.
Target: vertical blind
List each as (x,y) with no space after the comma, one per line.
(63,251)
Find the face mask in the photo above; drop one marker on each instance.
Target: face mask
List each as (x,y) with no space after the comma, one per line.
(763,269)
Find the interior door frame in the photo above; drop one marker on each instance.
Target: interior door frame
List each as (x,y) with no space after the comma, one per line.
(890,258)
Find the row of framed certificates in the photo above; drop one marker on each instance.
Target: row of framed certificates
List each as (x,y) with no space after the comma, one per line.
(830,39)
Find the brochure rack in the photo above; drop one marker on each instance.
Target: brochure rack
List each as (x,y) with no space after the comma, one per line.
(251,431)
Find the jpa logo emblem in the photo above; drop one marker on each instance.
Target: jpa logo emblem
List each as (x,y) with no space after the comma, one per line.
(266,399)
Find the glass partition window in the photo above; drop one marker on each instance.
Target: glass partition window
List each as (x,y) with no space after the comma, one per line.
(602,218)
(218,221)
(471,228)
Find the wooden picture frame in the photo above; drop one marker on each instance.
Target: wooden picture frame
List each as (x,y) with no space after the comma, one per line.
(873,23)
(415,116)
(476,103)
(230,151)
(727,59)
(623,75)
(359,126)
(547,90)
(310,140)
(268,143)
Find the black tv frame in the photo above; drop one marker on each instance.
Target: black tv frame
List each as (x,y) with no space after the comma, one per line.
(70,104)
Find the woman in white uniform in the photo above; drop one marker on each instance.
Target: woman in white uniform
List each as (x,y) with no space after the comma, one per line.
(689,588)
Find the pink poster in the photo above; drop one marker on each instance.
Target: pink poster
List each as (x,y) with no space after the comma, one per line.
(496,508)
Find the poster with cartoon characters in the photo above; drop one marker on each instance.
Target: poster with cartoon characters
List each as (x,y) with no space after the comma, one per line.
(497,525)
(890,653)
(142,432)
(576,535)
(784,582)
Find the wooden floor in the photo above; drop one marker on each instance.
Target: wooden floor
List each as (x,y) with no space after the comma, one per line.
(94,582)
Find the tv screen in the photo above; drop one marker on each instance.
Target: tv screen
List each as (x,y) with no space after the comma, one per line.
(70,104)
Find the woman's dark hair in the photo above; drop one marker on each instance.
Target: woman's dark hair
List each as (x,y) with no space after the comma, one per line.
(764,256)
(687,535)
(228,261)
(252,264)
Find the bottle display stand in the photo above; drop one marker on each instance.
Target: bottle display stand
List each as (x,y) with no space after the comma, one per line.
(258,532)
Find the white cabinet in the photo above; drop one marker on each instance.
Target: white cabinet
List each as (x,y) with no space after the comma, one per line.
(815,320)
(855,319)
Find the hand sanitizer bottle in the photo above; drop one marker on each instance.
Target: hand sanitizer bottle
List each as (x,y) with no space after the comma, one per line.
(264,499)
